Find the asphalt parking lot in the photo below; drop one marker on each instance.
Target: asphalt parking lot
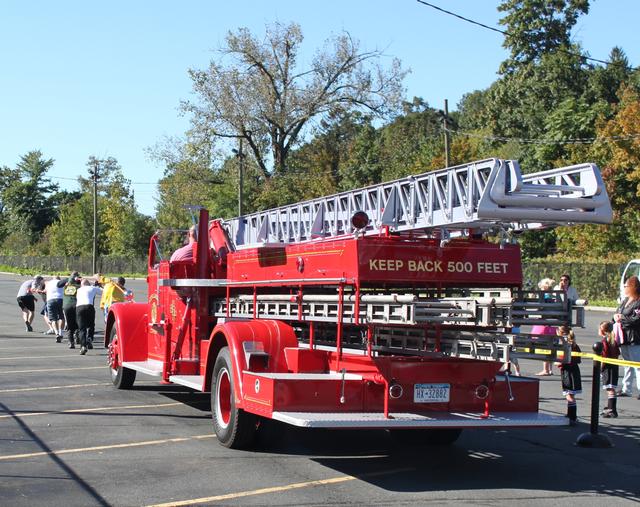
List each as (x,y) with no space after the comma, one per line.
(67,437)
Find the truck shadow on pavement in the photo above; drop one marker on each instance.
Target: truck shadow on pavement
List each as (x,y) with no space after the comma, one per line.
(546,461)
(96,498)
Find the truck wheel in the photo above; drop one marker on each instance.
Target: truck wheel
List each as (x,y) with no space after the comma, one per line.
(234,427)
(437,436)
(121,377)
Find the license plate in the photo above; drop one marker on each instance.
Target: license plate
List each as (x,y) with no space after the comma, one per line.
(431,393)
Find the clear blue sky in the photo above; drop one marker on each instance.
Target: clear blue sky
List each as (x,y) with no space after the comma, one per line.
(85,78)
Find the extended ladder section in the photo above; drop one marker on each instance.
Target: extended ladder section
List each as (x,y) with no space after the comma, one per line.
(485,195)
(480,308)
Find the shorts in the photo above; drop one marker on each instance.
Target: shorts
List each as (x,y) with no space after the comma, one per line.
(27,302)
(54,309)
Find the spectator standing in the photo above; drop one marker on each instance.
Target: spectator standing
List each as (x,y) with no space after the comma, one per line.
(570,375)
(113,292)
(567,291)
(609,375)
(70,287)
(545,285)
(27,300)
(54,306)
(628,316)
(86,313)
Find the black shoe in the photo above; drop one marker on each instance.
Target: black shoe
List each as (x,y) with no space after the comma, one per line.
(72,345)
(28,326)
(573,422)
(83,350)
(90,345)
(58,339)
(621,394)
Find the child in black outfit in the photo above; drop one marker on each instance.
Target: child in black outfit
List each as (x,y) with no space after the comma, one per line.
(570,374)
(609,375)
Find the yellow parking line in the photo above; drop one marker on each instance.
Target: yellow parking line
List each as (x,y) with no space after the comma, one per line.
(276,489)
(55,369)
(81,410)
(22,389)
(21,348)
(47,388)
(33,357)
(104,447)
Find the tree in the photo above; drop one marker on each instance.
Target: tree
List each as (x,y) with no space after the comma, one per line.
(618,153)
(29,199)
(263,95)
(122,231)
(538,27)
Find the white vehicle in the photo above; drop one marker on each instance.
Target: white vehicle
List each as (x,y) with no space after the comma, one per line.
(632,268)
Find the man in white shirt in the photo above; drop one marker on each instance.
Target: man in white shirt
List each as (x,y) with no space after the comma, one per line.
(54,306)
(86,313)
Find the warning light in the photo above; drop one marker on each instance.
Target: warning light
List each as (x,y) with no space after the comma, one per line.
(359,220)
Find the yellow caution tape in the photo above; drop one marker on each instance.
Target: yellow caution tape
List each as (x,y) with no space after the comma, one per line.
(587,355)
(607,360)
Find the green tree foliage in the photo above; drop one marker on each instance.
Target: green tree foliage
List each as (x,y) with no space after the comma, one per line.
(28,202)
(619,155)
(191,180)
(538,27)
(258,90)
(122,229)
(409,143)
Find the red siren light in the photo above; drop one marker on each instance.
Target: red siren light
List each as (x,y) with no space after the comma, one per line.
(359,220)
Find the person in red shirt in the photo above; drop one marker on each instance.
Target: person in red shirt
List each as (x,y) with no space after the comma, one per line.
(185,253)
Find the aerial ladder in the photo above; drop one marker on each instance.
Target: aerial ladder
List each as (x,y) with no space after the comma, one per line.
(381,307)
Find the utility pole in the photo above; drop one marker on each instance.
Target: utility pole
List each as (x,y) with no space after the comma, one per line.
(447,149)
(94,263)
(241,179)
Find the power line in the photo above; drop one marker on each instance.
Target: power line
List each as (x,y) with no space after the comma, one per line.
(76,179)
(504,32)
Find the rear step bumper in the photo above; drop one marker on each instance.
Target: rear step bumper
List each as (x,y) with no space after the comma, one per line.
(347,420)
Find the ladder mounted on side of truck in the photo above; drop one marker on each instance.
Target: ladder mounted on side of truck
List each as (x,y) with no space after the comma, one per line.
(476,309)
(487,195)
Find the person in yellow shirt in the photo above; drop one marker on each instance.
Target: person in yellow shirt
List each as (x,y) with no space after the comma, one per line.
(113,292)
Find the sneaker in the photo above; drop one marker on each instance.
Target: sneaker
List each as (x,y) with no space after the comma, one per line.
(622,394)
(58,339)
(83,350)
(49,331)
(89,344)
(72,345)
(28,326)
(610,414)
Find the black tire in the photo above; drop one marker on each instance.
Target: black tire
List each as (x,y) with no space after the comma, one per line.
(234,427)
(436,436)
(122,378)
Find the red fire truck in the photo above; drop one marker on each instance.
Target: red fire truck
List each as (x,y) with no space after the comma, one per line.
(382,307)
